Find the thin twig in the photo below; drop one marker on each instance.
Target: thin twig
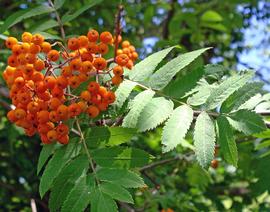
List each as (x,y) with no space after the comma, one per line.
(117,28)
(60,23)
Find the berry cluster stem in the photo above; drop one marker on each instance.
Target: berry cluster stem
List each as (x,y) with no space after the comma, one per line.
(86,150)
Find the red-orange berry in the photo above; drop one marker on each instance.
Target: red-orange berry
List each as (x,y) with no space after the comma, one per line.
(92,35)
(92,111)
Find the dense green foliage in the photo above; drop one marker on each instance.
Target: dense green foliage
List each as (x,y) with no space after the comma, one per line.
(174,108)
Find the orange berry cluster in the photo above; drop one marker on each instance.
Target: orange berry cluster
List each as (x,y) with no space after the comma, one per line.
(41,80)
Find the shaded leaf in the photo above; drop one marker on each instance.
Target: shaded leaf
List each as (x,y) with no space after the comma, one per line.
(226,141)
(178,88)
(79,197)
(24,14)
(117,192)
(123,177)
(61,157)
(121,157)
(240,96)
(45,153)
(247,122)
(64,183)
(101,202)
(71,16)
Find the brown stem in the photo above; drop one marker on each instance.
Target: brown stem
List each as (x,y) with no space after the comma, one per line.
(117,28)
(60,23)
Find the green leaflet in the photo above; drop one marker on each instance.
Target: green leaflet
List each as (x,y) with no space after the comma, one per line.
(123,92)
(124,177)
(146,67)
(197,176)
(163,76)
(263,175)
(45,153)
(49,36)
(80,195)
(101,202)
(109,136)
(176,127)
(60,158)
(226,141)
(214,71)
(252,102)
(121,157)
(226,88)
(240,96)
(24,14)
(204,139)
(71,16)
(137,105)
(247,122)
(117,192)
(49,24)
(211,16)
(154,113)
(64,183)
(200,97)
(179,87)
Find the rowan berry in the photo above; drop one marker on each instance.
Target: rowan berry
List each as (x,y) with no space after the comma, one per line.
(61,82)
(93,111)
(118,71)
(74,110)
(34,49)
(62,129)
(50,82)
(100,63)
(75,64)
(53,55)
(110,97)
(83,41)
(53,116)
(116,80)
(106,37)
(122,59)
(214,164)
(52,135)
(93,87)
(73,44)
(19,82)
(92,35)
(37,39)
(86,96)
(86,67)
(62,112)
(46,47)
(103,48)
(10,42)
(19,113)
(63,139)
(43,116)
(74,81)
(27,37)
(125,44)
(11,116)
